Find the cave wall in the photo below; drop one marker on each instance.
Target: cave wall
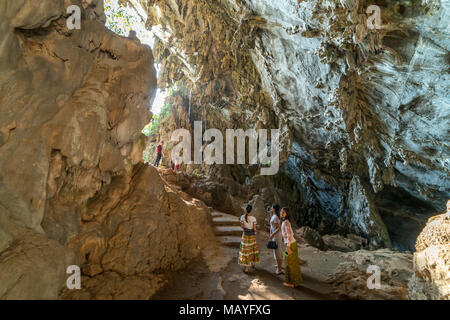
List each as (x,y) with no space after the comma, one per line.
(353,103)
(73,188)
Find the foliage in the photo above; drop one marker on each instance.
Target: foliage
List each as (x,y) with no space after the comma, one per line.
(196,174)
(118,19)
(177,88)
(122,18)
(153,126)
(146,155)
(165,111)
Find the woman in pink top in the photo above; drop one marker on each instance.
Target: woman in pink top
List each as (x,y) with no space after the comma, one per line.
(292,265)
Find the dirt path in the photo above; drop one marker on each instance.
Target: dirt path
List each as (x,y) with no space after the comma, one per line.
(216,275)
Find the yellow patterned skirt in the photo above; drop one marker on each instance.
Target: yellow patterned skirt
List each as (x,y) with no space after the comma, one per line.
(248,253)
(293,273)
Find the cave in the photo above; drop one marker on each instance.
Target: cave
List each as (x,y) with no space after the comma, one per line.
(361,163)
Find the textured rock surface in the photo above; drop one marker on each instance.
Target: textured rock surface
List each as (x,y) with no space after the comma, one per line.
(33,267)
(431,279)
(73,189)
(353,104)
(149,229)
(351,276)
(311,236)
(229,197)
(340,243)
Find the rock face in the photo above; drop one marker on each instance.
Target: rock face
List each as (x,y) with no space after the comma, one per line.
(431,279)
(311,236)
(212,193)
(351,278)
(73,189)
(340,243)
(363,112)
(148,229)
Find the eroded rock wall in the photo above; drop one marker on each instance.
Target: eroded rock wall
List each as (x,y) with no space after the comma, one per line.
(431,278)
(73,189)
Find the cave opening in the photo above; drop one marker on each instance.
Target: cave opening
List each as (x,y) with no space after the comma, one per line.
(319,197)
(404,216)
(362,116)
(123,18)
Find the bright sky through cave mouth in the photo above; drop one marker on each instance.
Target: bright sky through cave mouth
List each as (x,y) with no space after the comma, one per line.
(159,101)
(121,19)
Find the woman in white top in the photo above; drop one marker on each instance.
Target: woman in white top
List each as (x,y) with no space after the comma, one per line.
(248,253)
(292,269)
(275,235)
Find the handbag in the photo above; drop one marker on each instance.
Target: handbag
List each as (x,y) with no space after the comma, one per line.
(272,245)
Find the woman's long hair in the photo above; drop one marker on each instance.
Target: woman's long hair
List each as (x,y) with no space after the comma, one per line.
(287,214)
(248,209)
(276,207)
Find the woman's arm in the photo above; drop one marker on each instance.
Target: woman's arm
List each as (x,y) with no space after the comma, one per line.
(276,230)
(291,238)
(288,234)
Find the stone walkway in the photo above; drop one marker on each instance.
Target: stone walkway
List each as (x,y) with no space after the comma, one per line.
(216,275)
(227,228)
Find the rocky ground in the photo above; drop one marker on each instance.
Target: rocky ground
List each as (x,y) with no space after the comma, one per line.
(327,275)
(217,275)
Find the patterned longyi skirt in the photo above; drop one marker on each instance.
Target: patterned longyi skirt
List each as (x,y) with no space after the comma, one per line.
(248,253)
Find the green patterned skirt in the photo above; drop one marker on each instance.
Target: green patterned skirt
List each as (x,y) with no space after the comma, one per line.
(248,253)
(293,273)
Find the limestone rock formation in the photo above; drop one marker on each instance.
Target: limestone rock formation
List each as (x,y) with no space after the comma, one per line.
(350,280)
(363,114)
(431,279)
(340,243)
(150,228)
(73,189)
(311,236)
(213,193)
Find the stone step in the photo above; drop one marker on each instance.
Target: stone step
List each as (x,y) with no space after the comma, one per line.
(228,231)
(230,241)
(226,221)
(216,214)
